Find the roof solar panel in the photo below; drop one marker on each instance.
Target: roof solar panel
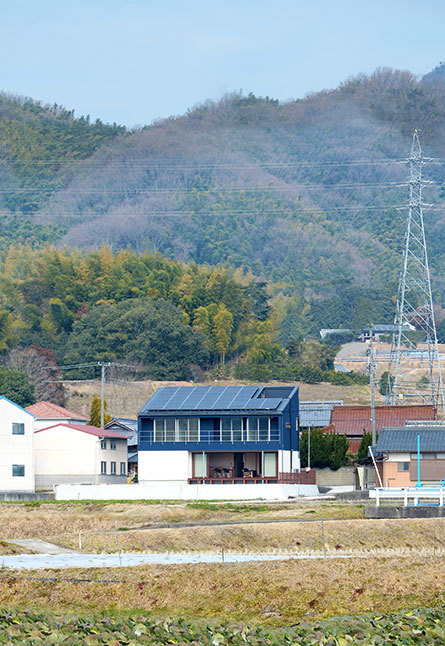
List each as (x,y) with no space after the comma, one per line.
(218,398)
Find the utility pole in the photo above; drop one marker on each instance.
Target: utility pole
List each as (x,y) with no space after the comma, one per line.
(372,376)
(309,448)
(414,303)
(102,391)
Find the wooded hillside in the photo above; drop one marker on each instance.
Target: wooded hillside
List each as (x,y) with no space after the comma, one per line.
(305,194)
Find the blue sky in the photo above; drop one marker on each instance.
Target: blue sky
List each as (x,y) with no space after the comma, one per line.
(138,60)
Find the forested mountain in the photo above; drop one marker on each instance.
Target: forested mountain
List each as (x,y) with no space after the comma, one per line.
(305,194)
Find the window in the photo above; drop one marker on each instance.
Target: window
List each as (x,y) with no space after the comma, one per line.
(123,468)
(403,466)
(113,445)
(18,470)
(170,429)
(252,429)
(270,465)
(113,468)
(231,429)
(103,443)
(103,468)
(263,425)
(18,428)
(199,465)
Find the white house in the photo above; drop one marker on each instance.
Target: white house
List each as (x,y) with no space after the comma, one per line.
(46,414)
(79,453)
(17,443)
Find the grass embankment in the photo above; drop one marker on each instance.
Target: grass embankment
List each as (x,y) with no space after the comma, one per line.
(408,628)
(360,537)
(278,593)
(50,520)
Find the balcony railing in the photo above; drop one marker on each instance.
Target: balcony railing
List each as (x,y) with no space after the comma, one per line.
(211,437)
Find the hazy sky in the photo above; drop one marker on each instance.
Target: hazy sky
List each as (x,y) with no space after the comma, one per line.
(132,61)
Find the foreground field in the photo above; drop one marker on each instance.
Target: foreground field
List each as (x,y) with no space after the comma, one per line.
(278,593)
(409,628)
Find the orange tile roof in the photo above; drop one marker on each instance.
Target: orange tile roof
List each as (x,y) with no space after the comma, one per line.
(48,410)
(356,420)
(86,428)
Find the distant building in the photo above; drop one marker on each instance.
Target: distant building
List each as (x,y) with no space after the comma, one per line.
(355,421)
(79,453)
(129,427)
(317,413)
(47,413)
(17,448)
(377,331)
(220,435)
(396,452)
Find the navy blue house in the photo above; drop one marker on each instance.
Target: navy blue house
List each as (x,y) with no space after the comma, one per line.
(220,435)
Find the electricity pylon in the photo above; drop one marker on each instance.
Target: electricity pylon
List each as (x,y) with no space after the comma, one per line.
(415,305)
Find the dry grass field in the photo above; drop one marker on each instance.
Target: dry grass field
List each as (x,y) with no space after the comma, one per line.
(360,537)
(51,520)
(278,593)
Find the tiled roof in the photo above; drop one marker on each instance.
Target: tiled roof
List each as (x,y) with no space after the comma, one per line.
(85,428)
(356,420)
(48,410)
(405,439)
(218,398)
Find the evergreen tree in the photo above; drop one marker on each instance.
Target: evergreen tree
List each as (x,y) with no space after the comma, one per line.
(95,412)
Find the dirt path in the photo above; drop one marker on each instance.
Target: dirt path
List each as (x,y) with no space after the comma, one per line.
(41,547)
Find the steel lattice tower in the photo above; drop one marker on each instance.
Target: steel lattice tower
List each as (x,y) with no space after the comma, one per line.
(414,304)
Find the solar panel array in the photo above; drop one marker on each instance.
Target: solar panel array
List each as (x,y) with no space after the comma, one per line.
(190,398)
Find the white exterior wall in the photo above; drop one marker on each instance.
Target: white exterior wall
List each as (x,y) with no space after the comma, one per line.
(45,422)
(163,491)
(164,466)
(64,454)
(16,449)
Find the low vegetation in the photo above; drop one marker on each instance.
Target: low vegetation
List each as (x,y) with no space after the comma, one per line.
(419,626)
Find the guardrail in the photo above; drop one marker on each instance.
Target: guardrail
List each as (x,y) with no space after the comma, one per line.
(428,495)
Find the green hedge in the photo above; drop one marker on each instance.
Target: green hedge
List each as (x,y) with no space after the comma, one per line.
(422,626)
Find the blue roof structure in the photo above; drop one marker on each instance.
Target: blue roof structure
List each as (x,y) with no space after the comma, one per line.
(219,399)
(405,439)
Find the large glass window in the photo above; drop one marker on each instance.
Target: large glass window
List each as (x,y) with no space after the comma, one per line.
(263,428)
(159,430)
(103,468)
(270,465)
(123,468)
(113,468)
(170,429)
(252,429)
(226,428)
(199,465)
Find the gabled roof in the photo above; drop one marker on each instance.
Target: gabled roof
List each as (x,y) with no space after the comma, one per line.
(219,398)
(126,426)
(85,428)
(405,439)
(48,410)
(356,420)
(127,423)
(25,410)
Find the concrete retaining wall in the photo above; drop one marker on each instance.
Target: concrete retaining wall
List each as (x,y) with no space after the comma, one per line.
(14,496)
(342,477)
(183,492)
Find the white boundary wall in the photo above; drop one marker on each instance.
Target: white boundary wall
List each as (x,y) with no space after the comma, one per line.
(164,491)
